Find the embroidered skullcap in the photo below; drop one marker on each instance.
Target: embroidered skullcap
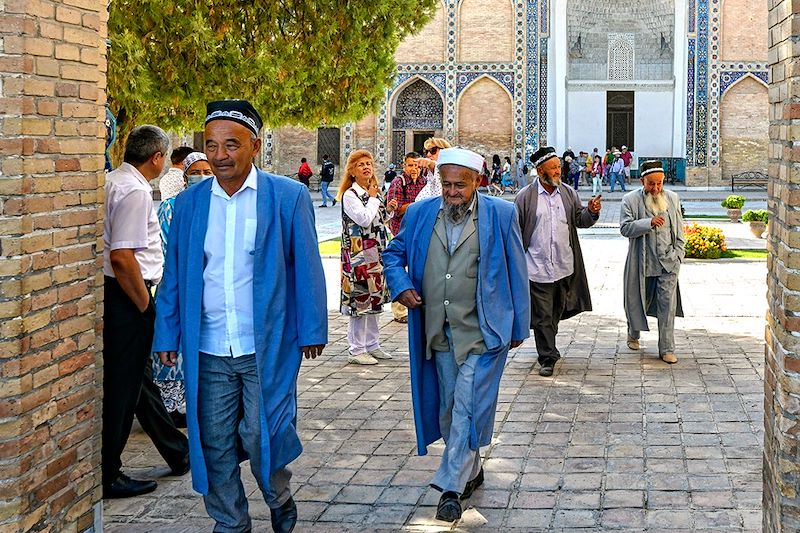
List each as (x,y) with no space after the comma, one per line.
(240,111)
(461,157)
(545,153)
(650,167)
(171,184)
(193,158)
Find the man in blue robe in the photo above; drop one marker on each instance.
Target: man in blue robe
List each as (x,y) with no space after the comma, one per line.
(467,293)
(243,295)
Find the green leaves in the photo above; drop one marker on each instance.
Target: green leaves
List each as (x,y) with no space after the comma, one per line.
(299,62)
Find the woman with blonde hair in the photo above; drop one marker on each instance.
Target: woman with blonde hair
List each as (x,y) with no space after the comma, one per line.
(364,237)
(432,148)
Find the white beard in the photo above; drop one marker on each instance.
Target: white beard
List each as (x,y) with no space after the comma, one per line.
(656,204)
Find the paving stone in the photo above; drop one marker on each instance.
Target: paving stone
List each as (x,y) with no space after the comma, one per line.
(617,440)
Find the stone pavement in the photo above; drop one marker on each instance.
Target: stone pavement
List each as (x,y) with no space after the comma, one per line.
(617,440)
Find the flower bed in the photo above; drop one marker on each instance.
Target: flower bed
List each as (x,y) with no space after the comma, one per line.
(704,242)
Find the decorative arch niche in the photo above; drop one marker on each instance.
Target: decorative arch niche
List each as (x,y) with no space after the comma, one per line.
(417,112)
(485,118)
(744,127)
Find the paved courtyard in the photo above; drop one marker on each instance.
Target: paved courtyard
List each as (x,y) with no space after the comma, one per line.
(618,440)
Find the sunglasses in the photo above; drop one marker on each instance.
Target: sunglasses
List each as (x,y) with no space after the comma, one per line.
(432,151)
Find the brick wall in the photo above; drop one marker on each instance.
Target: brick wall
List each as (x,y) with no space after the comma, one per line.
(782,354)
(289,146)
(484,119)
(52,67)
(743,33)
(744,128)
(485,31)
(429,45)
(365,135)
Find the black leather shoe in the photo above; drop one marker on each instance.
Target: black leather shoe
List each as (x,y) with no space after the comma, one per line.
(125,487)
(284,517)
(546,369)
(181,468)
(472,485)
(449,509)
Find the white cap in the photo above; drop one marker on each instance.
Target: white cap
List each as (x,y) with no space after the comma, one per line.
(461,157)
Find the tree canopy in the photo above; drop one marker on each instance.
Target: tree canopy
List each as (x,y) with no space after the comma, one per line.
(299,62)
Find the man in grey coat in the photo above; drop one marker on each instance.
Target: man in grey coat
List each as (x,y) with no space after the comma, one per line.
(651,219)
(549,214)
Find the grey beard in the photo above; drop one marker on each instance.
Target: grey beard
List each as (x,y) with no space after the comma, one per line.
(655,203)
(456,213)
(551,182)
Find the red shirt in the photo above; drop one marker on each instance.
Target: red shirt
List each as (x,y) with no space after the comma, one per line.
(626,158)
(405,191)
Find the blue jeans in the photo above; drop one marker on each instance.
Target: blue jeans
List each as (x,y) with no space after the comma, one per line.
(323,185)
(618,177)
(229,404)
(459,463)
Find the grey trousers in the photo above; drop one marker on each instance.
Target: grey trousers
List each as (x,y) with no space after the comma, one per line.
(662,290)
(459,463)
(229,417)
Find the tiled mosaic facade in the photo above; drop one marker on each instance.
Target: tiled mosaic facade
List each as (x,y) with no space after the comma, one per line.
(525,79)
(708,80)
(520,78)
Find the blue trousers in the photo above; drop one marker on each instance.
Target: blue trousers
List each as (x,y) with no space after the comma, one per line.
(459,463)
(618,177)
(323,185)
(229,404)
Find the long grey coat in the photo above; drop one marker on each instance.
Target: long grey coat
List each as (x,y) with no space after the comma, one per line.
(634,223)
(578,297)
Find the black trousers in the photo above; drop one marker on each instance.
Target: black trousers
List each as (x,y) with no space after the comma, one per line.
(547,305)
(128,386)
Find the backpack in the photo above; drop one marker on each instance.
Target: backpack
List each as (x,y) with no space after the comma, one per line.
(525,169)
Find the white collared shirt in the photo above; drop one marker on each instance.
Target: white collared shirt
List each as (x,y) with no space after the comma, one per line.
(363,215)
(226,323)
(131,222)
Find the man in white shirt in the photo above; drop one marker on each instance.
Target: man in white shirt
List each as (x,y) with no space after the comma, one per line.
(132,264)
(243,297)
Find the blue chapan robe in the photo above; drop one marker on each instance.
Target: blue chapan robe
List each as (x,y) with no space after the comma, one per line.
(289,308)
(503,309)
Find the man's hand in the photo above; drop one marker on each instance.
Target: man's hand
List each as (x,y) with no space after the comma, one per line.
(168,358)
(516,344)
(311,352)
(129,276)
(595,204)
(410,299)
(424,162)
(391,205)
(657,222)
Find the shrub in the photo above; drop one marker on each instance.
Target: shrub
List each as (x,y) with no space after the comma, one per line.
(733,201)
(704,242)
(757,215)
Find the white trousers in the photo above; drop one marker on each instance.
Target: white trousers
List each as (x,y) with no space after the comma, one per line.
(363,334)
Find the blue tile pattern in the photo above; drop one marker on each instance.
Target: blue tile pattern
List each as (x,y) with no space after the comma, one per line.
(506,79)
(690,104)
(729,77)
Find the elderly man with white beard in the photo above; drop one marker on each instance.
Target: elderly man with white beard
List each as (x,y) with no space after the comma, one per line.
(549,215)
(651,219)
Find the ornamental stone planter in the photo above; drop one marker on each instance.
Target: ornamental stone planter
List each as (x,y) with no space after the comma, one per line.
(758,228)
(734,214)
